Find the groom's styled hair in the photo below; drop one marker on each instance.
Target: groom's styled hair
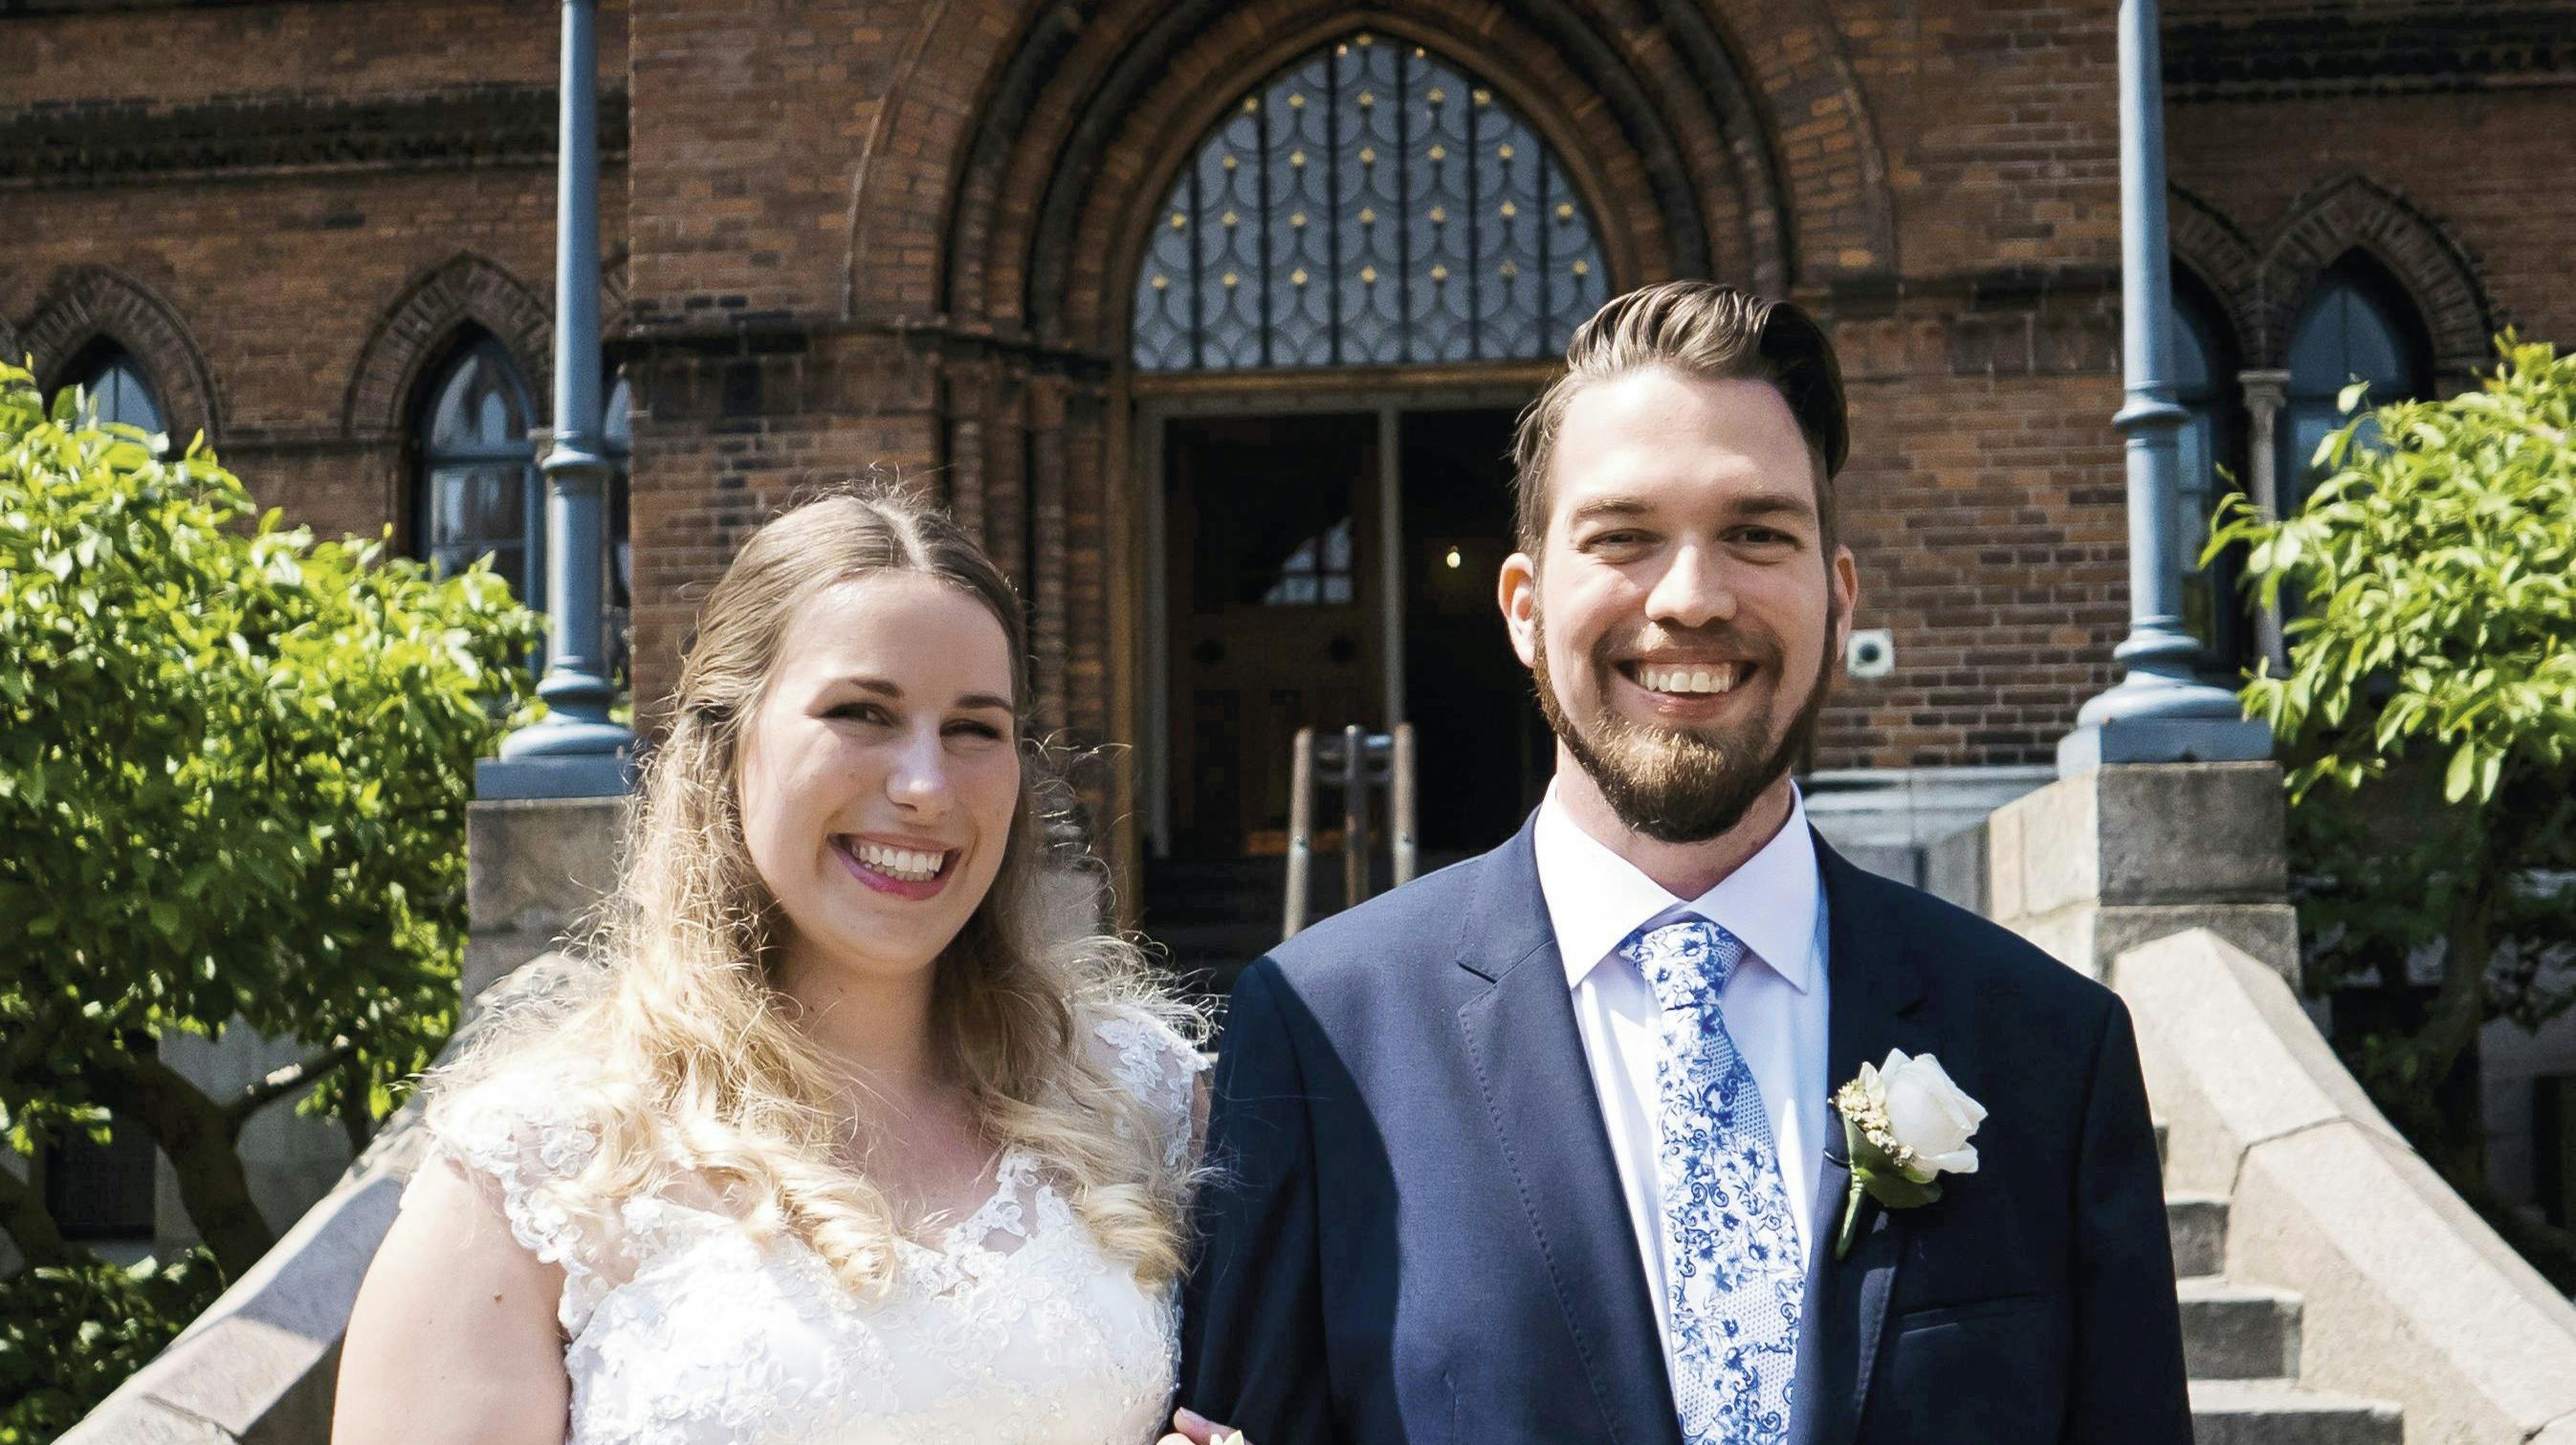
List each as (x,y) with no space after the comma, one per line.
(1702,329)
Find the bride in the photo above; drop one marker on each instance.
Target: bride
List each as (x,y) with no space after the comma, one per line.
(842,1146)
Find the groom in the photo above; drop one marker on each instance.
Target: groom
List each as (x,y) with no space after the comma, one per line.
(1540,1147)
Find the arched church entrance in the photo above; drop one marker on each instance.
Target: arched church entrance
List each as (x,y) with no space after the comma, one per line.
(1358,277)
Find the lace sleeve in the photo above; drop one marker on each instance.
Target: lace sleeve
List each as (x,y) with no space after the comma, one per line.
(1158,1066)
(512,1132)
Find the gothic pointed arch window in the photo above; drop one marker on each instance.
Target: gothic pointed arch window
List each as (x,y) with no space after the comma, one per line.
(1370,204)
(478,469)
(2204,367)
(118,390)
(617,433)
(2355,324)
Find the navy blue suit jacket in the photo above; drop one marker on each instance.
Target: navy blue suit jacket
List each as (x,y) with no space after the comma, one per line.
(1420,1236)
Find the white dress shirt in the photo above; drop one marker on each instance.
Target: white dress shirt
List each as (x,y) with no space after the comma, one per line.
(1774,1004)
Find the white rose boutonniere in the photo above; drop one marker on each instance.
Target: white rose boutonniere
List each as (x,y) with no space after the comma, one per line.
(1905,1125)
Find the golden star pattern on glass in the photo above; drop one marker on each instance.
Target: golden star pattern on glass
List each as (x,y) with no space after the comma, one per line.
(1367,205)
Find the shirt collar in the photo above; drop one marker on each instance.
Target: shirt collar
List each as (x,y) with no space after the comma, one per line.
(1595,898)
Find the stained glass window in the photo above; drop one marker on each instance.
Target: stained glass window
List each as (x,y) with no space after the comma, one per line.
(1369,205)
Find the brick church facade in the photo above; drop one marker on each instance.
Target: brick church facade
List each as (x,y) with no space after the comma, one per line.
(955,237)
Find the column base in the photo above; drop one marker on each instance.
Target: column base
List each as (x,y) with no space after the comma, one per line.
(2163,740)
(557,775)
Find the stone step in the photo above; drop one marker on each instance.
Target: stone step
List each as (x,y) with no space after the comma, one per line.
(2238,1331)
(2278,1412)
(2197,1224)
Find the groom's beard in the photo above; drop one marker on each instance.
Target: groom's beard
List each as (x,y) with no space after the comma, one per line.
(1678,785)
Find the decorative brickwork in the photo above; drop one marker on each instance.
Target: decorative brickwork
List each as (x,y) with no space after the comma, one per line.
(2355,212)
(2262,282)
(2209,245)
(95,303)
(126,142)
(423,322)
(2337,52)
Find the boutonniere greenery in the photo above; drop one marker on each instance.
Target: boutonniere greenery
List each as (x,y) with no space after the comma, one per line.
(1905,1125)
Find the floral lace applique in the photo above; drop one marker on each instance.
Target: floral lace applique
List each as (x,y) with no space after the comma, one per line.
(683,1328)
(1158,1066)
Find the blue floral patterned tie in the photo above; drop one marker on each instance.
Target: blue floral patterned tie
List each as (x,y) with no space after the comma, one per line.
(1732,1268)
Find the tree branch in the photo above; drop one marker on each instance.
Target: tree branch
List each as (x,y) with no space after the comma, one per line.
(197,1135)
(30,1225)
(280,1082)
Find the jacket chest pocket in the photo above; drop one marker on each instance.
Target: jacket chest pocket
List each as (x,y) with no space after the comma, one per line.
(1988,1370)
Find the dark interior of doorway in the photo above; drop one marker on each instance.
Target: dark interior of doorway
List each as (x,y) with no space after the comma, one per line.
(1215,901)
(1485,751)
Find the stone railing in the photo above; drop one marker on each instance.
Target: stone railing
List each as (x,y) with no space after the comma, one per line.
(257,1366)
(2169,883)
(2408,1294)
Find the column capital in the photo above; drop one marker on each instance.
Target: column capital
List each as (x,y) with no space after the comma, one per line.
(2265,386)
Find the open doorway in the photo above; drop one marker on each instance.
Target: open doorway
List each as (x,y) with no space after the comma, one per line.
(1317,569)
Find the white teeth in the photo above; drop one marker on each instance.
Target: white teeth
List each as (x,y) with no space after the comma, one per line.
(1689,680)
(909,864)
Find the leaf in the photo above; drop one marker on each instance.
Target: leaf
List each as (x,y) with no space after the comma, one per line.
(2463,772)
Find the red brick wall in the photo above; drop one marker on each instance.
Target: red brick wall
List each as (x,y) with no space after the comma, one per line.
(858,240)
(282,277)
(1985,508)
(174,54)
(2483,167)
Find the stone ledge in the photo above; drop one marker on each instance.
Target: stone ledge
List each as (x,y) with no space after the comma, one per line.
(258,1365)
(2141,835)
(2408,1294)
(2087,938)
(533,868)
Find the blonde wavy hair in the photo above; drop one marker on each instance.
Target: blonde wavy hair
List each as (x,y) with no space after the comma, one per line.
(693,1061)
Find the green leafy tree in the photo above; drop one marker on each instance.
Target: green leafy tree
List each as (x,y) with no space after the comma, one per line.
(234,769)
(2429,715)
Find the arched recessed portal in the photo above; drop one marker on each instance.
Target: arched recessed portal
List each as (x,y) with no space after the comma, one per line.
(1360,274)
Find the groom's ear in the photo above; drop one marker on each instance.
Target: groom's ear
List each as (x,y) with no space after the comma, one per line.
(1516,591)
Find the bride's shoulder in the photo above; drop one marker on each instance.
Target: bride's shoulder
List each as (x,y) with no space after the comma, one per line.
(523,1126)
(1145,1049)
(524,1120)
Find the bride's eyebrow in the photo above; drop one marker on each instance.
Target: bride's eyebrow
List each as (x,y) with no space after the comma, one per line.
(893,693)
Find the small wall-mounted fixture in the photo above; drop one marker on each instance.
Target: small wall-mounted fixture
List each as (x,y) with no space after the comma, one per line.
(1871,652)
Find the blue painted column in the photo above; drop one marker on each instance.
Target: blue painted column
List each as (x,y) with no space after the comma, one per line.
(2159,712)
(575,752)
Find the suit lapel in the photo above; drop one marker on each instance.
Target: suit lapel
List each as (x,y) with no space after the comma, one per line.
(1875,1003)
(1537,1088)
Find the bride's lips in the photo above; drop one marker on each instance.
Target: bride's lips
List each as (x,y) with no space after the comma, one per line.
(846,848)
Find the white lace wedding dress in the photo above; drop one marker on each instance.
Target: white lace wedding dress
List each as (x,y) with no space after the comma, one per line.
(683,1329)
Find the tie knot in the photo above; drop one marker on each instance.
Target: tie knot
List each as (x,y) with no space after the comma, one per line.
(1686,962)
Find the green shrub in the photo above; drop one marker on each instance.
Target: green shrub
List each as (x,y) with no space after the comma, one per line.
(234,770)
(2432,686)
(70,1334)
